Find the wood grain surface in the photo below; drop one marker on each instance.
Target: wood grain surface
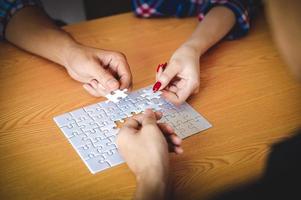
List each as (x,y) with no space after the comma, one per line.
(247,93)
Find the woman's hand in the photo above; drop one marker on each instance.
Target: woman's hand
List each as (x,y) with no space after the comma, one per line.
(181,77)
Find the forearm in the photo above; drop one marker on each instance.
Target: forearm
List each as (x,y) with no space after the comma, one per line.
(285,21)
(153,186)
(32,30)
(215,25)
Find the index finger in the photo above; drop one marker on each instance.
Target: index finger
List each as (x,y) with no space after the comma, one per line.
(132,124)
(122,68)
(125,77)
(139,117)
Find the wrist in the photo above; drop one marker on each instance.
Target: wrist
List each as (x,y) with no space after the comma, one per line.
(153,185)
(68,48)
(196,46)
(153,176)
(187,51)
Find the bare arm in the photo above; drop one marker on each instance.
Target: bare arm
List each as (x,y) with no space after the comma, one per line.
(285,21)
(216,24)
(100,71)
(153,185)
(184,63)
(32,30)
(143,143)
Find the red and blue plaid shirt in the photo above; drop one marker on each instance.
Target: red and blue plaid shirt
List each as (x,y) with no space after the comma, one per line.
(242,9)
(157,8)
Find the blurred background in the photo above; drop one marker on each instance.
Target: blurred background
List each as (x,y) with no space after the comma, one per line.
(73,11)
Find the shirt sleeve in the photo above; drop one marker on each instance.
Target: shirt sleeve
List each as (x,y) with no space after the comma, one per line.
(242,9)
(8,8)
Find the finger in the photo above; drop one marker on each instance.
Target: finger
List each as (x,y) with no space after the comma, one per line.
(130,87)
(185,92)
(125,81)
(175,149)
(159,115)
(166,128)
(94,83)
(173,89)
(160,69)
(175,140)
(124,74)
(139,117)
(106,79)
(197,90)
(167,75)
(180,96)
(91,90)
(120,66)
(178,150)
(149,117)
(98,87)
(132,124)
(172,97)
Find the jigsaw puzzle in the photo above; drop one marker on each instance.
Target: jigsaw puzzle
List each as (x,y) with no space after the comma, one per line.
(92,130)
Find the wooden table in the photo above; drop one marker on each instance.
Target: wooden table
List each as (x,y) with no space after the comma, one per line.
(246,92)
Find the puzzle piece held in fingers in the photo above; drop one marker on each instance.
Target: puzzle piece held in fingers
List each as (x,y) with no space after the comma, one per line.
(117,95)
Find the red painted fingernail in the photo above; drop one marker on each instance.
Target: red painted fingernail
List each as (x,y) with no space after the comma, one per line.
(157,86)
(159,66)
(164,66)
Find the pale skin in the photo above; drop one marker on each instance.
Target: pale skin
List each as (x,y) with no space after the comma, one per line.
(288,42)
(181,78)
(144,144)
(285,21)
(100,71)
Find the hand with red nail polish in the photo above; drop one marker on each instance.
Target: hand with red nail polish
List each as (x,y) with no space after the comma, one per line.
(181,77)
(161,67)
(157,86)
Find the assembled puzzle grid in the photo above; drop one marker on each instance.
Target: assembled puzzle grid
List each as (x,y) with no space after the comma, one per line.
(92,130)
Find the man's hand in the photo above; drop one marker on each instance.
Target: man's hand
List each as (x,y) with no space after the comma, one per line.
(101,71)
(144,145)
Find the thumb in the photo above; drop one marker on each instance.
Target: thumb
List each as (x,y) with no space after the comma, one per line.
(149,117)
(167,75)
(106,79)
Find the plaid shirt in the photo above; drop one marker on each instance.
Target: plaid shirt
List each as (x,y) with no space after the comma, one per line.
(156,8)
(10,7)
(242,9)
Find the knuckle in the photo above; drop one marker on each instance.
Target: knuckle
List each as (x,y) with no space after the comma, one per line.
(195,83)
(119,56)
(176,64)
(149,125)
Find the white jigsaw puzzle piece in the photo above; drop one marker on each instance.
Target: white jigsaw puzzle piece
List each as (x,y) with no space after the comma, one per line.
(116,95)
(150,94)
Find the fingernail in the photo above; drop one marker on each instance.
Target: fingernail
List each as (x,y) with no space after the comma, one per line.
(164,66)
(159,66)
(180,151)
(112,84)
(157,86)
